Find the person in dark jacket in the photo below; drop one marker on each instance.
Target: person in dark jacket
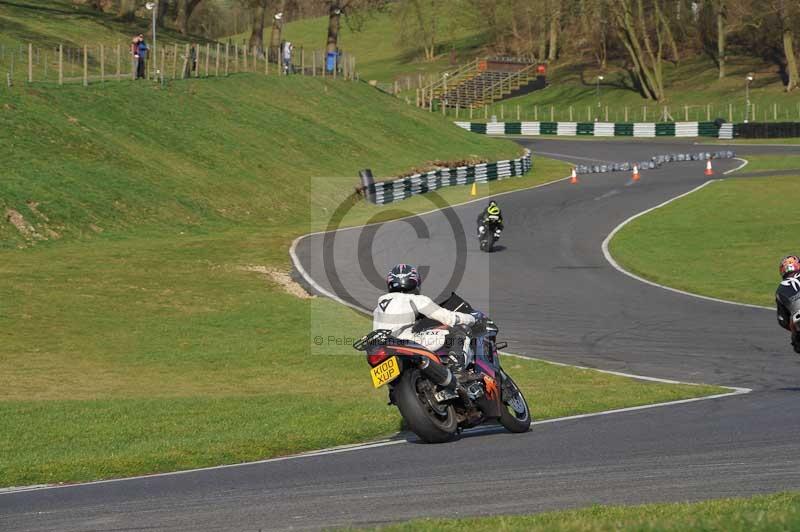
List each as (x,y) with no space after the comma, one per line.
(141,50)
(787,298)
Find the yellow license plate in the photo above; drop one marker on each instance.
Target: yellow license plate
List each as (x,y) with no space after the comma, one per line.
(386,371)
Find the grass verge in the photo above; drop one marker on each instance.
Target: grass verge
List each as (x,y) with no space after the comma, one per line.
(762,513)
(720,241)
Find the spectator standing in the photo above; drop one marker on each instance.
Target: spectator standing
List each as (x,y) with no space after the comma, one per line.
(287,57)
(141,56)
(135,54)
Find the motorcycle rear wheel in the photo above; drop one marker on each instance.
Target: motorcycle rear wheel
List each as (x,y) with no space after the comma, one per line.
(432,422)
(515,415)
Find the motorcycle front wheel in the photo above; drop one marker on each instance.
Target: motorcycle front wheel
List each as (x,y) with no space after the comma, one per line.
(431,421)
(515,415)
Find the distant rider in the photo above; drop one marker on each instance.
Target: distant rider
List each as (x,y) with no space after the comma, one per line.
(787,298)
(399,309)
(491,216)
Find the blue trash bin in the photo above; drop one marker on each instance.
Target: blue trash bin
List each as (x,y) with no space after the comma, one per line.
(330,61)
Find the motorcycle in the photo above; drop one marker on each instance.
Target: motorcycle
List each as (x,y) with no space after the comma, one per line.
(436,402)
(488,234)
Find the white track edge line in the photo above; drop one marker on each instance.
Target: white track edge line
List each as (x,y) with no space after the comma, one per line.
(616,266)
(374,444)
(744,163)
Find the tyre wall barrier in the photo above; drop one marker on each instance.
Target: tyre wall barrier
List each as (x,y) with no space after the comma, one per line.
(654,162)
(604,129)
(393,190)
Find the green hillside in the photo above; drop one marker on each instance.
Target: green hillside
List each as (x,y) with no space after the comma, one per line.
(693,82)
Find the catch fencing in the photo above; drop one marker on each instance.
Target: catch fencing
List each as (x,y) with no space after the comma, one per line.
(64,64)
(393,190)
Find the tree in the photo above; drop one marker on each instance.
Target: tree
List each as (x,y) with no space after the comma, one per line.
(352,10)
(185,10)
(277,26)
(555,28)
(257,33)
(640,28)
(787,14)
(419,23)
(127,10)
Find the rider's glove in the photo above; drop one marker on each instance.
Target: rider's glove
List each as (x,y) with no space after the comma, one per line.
(466,319)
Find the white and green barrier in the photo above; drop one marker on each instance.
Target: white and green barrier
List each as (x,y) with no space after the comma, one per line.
(389,191)
(602,129)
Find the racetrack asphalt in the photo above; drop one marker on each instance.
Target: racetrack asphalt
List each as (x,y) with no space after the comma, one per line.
(555,297)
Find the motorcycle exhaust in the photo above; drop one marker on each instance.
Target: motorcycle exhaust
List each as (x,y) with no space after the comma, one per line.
(438,374)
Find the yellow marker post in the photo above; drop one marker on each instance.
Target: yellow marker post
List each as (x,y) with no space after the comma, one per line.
(474,190)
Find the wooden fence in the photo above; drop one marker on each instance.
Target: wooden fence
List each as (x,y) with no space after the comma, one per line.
(101,62)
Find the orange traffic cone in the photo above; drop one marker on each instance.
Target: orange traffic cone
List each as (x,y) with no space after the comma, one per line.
(573,178)
(635,176)
(709,170)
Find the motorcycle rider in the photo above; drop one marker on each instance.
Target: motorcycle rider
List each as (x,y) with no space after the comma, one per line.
(787,298)
(491,216)
(399,309)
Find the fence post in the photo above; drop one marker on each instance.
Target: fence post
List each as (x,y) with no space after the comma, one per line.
(517,112)
(303,60)
(313,63)
(198,49)
(470,113)
(606,113)
(236,57)
(227,58)
(102,64)
(644,113)
(626,113)
(208,59)
(708,112)
(119,63)
(60,64)
(570,113)
(730,112)
(552,113)
(244,56)
(30,62)
(775,111)
(185,63)
(85,66)
(216,63)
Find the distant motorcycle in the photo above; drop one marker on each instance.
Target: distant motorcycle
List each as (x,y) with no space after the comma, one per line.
(436,402)
(488,234)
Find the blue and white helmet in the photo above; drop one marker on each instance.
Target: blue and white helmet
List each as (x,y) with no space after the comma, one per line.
(403,278)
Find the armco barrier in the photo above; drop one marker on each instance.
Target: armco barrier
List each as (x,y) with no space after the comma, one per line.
(384,192)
